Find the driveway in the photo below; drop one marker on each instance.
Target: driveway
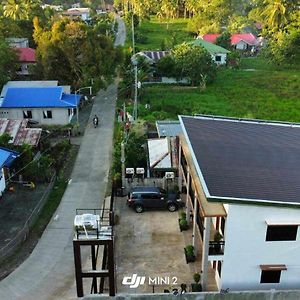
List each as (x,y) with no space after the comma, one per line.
(48,273)
(149,244)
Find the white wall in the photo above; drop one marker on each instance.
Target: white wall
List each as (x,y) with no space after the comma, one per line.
(246,248)
(223,58)
(59,115)
(2,181)
(241,45)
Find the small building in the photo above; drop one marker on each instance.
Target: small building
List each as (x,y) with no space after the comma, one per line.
(162,154)
(45,105)
(242,184)
(240,41)
(218,54)
(17,42)
(6,159)
(78,12)
(26,58)
(19,132)
(168,128)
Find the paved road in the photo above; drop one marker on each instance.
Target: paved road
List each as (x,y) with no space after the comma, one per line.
(48,273)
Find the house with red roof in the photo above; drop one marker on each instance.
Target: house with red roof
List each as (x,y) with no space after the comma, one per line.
(26,59)
(240,41)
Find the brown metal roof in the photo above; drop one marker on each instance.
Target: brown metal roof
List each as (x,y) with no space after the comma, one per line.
(20,133)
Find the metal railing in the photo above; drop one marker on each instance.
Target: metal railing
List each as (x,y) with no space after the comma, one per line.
(216,247)
(22,235)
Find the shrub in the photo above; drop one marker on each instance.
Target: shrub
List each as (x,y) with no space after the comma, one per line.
(189,250)
(197,277)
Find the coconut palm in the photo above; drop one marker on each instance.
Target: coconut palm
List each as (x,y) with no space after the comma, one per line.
(15,9)
(275,13)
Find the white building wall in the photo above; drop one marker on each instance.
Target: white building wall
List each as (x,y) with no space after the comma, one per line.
(246,248)
(2,181)
(241,45)
(223,58)
(60,116)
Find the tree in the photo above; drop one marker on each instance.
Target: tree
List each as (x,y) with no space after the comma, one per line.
(224,40)
(166,66)
(195,63)
(8,65)
(15,9)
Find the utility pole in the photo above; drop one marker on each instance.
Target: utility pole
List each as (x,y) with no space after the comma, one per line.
(135,70)
(123,163)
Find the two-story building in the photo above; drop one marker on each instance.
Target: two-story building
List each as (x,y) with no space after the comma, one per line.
(45,105)
(242,184)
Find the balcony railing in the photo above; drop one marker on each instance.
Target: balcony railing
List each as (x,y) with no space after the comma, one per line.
(216,247)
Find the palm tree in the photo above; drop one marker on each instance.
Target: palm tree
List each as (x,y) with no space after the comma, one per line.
(275,13)
(15,9)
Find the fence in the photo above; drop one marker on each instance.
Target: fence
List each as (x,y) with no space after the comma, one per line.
(152,181)
(11,246)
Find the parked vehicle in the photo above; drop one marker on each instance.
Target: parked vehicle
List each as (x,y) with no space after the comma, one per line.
(141,198)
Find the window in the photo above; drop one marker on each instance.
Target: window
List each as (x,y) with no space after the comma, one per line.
(27,114)
(281,232)
(218,58)
(270,276)
(70,111)
(219,268)
(47,114)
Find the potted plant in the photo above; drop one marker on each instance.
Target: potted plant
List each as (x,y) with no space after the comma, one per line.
(189,254)
(183,224)
(196,287)
(217,238)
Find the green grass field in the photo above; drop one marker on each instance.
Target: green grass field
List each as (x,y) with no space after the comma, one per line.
(157,31)
(263,94)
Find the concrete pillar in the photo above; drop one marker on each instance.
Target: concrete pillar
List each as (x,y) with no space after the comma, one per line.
(179,168)
(205,248)
(187,202)
(195,218)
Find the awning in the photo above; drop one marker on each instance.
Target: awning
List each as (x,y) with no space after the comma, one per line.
(273,267)
(282,222)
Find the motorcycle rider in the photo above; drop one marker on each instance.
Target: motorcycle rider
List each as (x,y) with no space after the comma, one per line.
(95,121)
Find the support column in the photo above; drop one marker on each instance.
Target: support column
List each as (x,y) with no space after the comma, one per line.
(111,269)
(187,202)
(179,168)
(195,219)
(78,269)
(94,267)
(205,248)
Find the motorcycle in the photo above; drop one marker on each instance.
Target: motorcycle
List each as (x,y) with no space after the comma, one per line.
(95,122)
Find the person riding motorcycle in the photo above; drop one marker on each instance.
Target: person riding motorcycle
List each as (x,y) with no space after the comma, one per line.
(95,121)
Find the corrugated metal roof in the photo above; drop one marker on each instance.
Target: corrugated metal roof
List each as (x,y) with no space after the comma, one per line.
(211,48)
(159,156)
(28,83)
(19,132)
(7,157)
(38,97)
(245,160)
(168,128)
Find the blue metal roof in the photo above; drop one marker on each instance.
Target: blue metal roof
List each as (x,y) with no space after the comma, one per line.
(38,97)
(7,157)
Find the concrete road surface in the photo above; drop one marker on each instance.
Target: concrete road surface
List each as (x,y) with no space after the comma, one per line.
(48,273)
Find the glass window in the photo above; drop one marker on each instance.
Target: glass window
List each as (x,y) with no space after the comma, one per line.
(218,58)
(27,114)
(281,232)
(47,114)
(270,276)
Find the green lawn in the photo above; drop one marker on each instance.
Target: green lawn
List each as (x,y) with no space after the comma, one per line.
(157,31)
(261,94)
